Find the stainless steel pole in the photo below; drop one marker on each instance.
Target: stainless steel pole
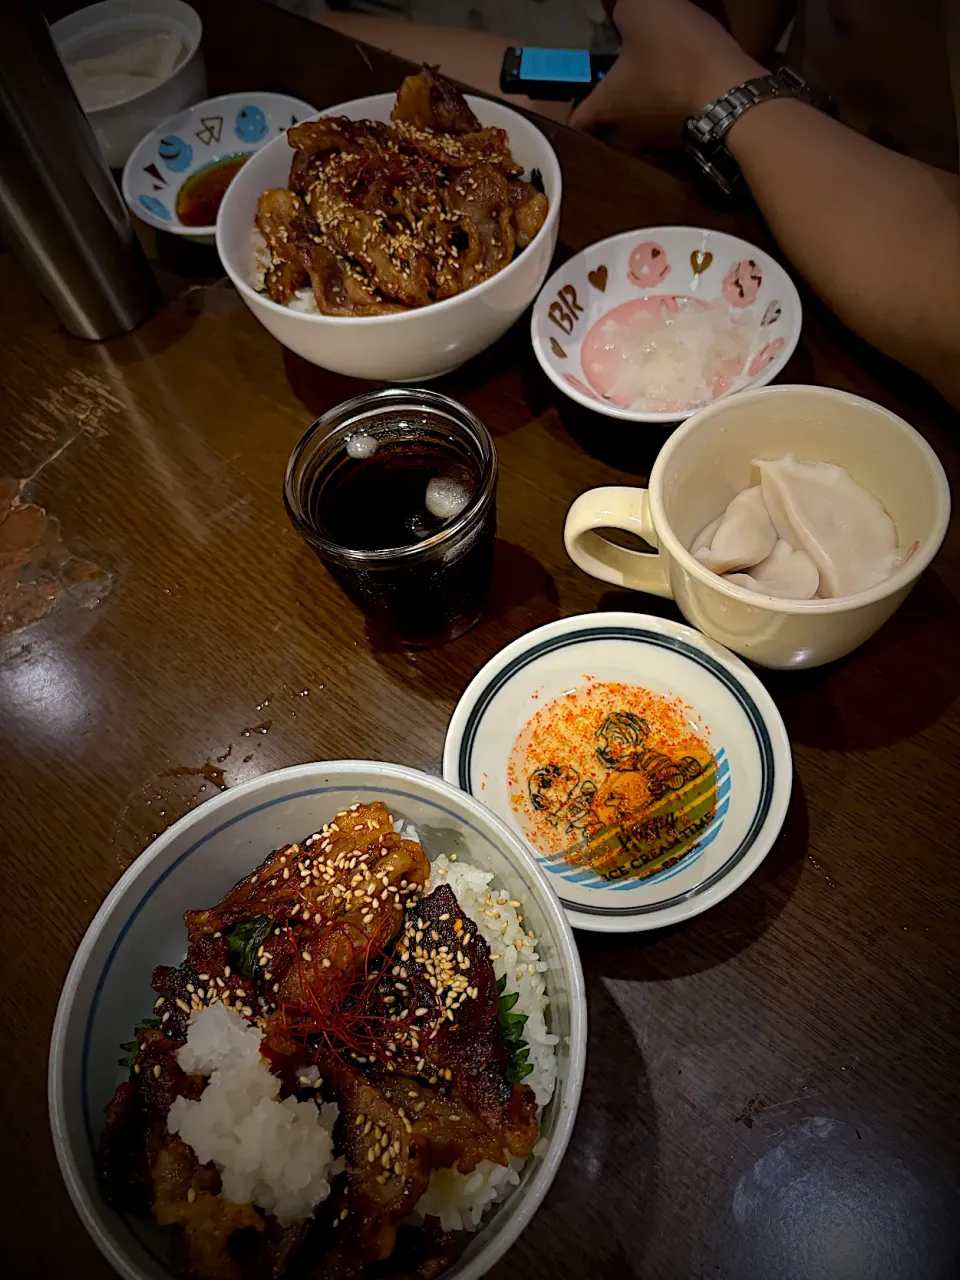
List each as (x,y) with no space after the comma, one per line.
(62,213)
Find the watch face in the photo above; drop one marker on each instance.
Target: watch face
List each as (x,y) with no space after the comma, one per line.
(723,180)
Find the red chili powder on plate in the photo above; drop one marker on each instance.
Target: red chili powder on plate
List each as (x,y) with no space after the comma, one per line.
(615,777)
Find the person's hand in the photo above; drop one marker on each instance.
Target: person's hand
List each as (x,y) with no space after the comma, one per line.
(674,60)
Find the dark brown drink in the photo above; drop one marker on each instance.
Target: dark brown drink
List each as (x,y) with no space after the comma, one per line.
(396,492)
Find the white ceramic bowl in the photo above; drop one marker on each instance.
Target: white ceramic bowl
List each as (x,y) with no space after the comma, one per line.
(667,263)
(140,925)
(195,139)
(415,345)
(100,30)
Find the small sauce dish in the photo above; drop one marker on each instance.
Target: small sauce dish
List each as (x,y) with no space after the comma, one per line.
(177,175)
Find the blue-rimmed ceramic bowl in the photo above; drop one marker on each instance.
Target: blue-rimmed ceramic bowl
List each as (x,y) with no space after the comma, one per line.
(200,138)
(696,842)
(140,925)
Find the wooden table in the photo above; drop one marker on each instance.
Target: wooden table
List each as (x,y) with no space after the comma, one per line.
(772,1089)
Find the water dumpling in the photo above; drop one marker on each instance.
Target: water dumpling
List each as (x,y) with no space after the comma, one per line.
(817,508)
(786,573)
(743,536)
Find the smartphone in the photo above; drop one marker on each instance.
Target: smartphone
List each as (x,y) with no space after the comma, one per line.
(554,75)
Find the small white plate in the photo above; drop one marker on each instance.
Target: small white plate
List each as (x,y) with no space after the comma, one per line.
(644,271)
(196,139)
(746,736)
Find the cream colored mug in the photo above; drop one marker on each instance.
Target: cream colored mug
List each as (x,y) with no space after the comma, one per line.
(708,460)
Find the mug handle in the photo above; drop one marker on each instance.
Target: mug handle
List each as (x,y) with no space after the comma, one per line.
(615,507)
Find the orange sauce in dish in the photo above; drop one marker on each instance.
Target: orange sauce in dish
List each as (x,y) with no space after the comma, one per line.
(199,198)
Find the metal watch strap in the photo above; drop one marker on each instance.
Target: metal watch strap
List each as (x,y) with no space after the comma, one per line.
(703,134)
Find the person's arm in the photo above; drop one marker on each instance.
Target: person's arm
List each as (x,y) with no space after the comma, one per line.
(875,233)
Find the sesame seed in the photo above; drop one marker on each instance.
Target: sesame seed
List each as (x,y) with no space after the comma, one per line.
(191,1195)
(156,1072)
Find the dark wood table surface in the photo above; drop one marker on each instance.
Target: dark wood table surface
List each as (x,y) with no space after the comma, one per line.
(772,1088)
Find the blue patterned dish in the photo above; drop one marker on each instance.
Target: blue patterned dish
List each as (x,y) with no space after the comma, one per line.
(196,139)
(687,832)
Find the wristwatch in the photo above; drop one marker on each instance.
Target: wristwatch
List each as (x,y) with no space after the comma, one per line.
(703,135)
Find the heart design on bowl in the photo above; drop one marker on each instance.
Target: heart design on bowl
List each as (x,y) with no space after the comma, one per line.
(598,277)
(602,304)
(700,260)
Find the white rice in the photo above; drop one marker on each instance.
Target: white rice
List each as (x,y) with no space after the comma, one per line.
(303,300)
(460,1200)
(278,1155)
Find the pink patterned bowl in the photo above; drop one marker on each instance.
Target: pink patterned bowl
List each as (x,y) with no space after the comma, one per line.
(598,316)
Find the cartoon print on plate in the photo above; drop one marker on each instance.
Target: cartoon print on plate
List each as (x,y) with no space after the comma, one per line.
(159,181)
(598,277)
(175,153)
(616,345)
(251,124)
(742,283)
(647,265)
(156,207)
(700,302)
(612,782)
(580,386)
(211,130)
(765,356)
(700,261)
(566,308)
